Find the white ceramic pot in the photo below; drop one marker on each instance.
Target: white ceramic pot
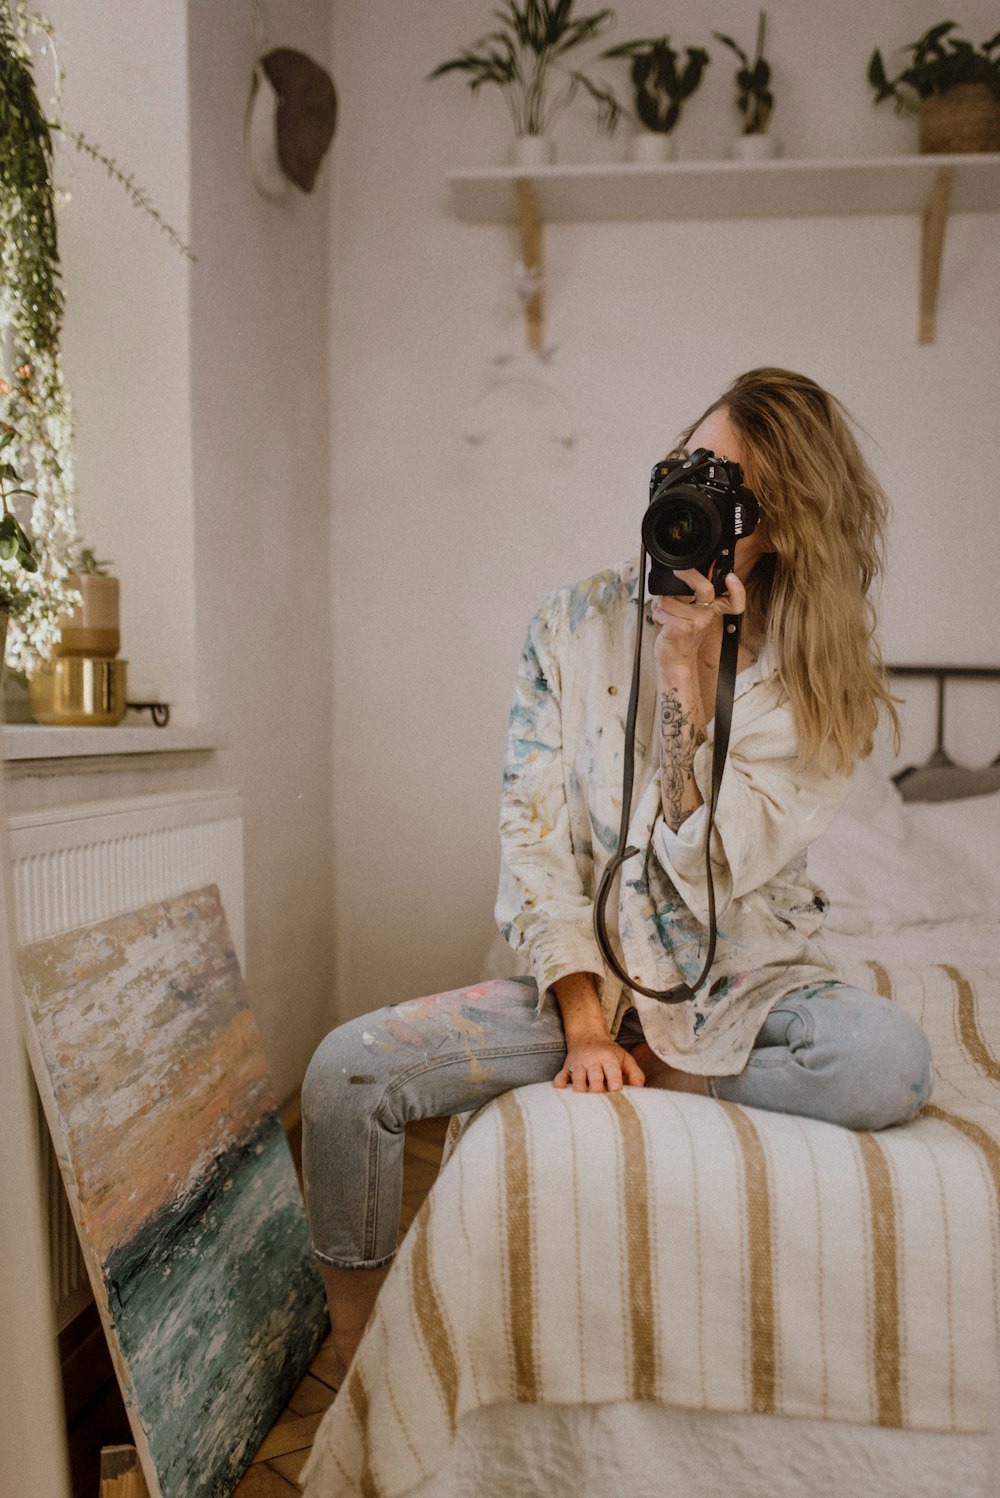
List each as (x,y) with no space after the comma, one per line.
(533,150)
(651,145)
(755,148)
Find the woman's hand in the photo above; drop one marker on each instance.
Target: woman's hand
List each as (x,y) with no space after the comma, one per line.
(598,1064)
(684,625)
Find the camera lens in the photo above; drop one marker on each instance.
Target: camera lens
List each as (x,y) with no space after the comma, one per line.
(681,529)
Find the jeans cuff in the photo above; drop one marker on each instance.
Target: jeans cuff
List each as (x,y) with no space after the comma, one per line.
(356,1263)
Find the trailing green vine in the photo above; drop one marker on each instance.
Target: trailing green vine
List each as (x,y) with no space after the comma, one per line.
(36,408)
(34,403)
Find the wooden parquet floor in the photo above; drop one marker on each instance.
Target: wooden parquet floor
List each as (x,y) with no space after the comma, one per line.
(275,1470)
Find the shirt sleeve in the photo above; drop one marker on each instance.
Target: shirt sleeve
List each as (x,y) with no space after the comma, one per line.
(770,809)
(542,907)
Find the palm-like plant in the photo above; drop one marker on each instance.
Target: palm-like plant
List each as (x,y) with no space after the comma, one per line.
(753,97)
(526,59)
(660,86)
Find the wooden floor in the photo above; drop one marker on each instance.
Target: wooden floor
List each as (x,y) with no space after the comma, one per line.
(275,1469)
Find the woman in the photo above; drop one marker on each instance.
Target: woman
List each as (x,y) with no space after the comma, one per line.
(772,1027)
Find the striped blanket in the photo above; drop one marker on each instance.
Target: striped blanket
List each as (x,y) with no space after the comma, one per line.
(648,1245)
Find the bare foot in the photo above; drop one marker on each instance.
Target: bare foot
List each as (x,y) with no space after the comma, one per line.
(351,1296)
(659,1074)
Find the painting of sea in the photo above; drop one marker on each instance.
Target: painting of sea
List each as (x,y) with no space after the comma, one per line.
(158,1097)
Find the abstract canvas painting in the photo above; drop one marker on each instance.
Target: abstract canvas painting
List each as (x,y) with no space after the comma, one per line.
(184,1192)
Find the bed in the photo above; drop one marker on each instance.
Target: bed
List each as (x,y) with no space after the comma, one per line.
(662,1294)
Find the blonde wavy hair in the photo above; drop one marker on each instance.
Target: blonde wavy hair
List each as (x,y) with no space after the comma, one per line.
(824,516)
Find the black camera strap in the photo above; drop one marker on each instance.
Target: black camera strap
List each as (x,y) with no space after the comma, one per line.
(681,992)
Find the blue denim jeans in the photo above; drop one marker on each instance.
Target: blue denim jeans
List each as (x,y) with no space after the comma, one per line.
(829,1052)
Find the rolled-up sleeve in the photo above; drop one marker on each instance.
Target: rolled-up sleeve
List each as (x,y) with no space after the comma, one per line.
(770,809)
(542,907)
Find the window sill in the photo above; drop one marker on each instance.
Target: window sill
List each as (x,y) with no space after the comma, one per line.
(36,741)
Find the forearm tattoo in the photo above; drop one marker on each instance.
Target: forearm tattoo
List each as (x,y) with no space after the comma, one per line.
(680,738)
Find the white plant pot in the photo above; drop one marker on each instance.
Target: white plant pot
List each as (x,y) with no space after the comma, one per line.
(755,148)
(533,150)
(651,145)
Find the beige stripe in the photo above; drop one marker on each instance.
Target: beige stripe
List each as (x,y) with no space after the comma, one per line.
(886,1345)
(638,1247)
(431,1317)
(883,983)
(978,1136)
(357,1394)
(968,1025)
(985,1143)
(763,1330)
(520,1250)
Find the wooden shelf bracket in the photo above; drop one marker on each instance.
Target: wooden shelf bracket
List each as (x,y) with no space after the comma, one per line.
(530,279)
(935,220)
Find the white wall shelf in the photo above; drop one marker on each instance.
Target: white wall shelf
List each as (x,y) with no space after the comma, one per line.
(726,189)
(930,186)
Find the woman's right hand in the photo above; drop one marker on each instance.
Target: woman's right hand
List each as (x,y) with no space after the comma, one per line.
(598,1064)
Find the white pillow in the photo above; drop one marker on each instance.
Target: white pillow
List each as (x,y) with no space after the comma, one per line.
(903,865)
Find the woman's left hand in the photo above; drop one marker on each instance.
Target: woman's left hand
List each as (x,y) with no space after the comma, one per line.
(684,625)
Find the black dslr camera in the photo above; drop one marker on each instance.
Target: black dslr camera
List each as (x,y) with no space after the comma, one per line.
(698,509)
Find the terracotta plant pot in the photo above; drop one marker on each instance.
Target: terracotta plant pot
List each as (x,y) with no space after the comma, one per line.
(93,629)
(966,118)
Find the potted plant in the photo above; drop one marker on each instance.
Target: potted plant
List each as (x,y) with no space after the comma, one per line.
(84,684)
(955,87)
(93,627)
(526,58)
(754,99)
(660,87)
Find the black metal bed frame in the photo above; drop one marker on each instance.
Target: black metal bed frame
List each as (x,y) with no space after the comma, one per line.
(942,674)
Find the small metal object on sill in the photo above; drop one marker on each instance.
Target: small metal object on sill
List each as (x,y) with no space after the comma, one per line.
(158,711)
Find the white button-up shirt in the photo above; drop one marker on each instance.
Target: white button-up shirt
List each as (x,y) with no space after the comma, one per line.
(559,818)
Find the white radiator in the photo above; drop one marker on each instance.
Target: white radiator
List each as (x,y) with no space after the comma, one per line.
(72,866)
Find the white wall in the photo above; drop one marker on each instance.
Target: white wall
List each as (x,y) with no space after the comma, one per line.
(260,400)
(442,551)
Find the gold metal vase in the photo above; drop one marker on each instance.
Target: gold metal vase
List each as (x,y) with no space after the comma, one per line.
(79,692)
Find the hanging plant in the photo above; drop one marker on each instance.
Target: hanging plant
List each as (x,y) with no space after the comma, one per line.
(35,410)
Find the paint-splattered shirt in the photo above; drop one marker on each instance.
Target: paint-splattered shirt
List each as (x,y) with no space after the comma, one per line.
(559,817)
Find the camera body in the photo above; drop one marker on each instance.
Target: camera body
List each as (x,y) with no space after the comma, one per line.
(699,507)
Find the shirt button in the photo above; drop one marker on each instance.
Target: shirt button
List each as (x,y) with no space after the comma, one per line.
(612,691)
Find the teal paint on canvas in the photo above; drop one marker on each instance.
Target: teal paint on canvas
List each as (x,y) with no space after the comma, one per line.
(181,1181)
